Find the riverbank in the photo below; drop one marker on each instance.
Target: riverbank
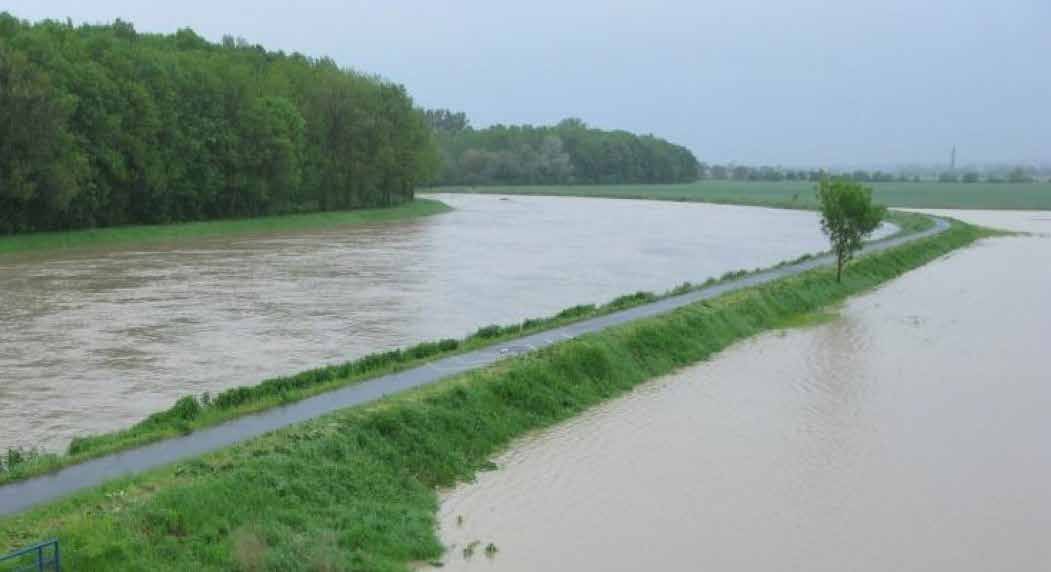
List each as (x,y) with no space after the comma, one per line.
(800,195)
(197,411)
(356,487)
(912,412)
(156,234)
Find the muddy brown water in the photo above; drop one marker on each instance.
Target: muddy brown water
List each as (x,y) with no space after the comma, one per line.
(96,340)
(910,433)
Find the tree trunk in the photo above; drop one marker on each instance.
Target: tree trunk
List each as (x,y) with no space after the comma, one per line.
(839,268)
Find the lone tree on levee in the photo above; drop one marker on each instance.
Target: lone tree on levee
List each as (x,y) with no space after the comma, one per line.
(847,217)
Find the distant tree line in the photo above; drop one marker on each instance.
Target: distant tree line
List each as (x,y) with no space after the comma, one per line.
(101,125)
(733,172)
(1013,175)
(570,152)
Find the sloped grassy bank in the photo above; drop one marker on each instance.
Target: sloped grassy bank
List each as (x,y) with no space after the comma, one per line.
(195,412)
(356,490)
(144,235)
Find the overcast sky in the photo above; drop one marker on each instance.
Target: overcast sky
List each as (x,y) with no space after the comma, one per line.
(793,82)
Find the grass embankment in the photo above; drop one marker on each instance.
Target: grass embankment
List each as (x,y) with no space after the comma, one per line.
(800,195)
(154,234)
(193,412)
(356,489)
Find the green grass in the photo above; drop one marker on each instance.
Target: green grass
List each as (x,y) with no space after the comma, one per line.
(356,490)
(141,235)
(810,320)
(194,412)
(801,195)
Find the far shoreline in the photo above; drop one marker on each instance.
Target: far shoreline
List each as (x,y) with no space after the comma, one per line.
(796,195)
(140,235)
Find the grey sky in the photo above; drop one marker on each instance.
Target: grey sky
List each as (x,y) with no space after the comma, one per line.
(795,82)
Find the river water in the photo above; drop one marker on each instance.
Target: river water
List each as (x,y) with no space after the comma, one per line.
(910,433)
(95,340)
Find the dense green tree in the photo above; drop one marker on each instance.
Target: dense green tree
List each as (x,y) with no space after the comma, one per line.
(446,121)
(847,217)
(567,153)
(41,168)
(101,125)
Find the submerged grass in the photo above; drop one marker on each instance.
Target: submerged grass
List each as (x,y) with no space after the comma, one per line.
(356,490)
(153,234)
(194,412)
(812,319)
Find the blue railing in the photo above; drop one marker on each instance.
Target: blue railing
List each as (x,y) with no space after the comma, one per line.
(44,556)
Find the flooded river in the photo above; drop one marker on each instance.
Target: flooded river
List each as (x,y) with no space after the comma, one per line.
(910,433)
(96,340)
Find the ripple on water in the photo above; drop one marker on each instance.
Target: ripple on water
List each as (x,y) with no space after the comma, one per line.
(182,318)
(910,434)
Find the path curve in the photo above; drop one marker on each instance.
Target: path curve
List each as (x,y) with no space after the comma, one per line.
(21,495)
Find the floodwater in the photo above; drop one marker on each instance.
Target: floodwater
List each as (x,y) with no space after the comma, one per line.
(96,340)
(909,433)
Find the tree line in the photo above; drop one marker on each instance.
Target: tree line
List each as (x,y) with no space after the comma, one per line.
(733,172)
(570,152)
(1013,175)
(102,125)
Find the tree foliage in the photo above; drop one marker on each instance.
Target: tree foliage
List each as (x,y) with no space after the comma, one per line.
(446,121)
(101,125)
(567,153)
(916,174)
(847,217)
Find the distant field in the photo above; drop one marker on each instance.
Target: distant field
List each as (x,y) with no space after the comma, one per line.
(1036,196)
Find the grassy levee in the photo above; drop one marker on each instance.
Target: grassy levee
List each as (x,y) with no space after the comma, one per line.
(356,490)
(800,194)
(153,234)
(193,412)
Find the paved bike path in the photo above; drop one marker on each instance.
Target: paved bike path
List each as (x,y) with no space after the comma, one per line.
(19,496)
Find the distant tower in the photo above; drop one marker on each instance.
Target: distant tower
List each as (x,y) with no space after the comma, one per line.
(952,159)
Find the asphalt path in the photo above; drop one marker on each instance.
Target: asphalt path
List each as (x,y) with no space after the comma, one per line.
(21,495)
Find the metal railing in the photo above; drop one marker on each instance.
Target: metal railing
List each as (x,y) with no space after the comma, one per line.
(40,557)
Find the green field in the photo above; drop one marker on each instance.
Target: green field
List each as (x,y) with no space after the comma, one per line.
(153,234)
(1035,196)
(356,490)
